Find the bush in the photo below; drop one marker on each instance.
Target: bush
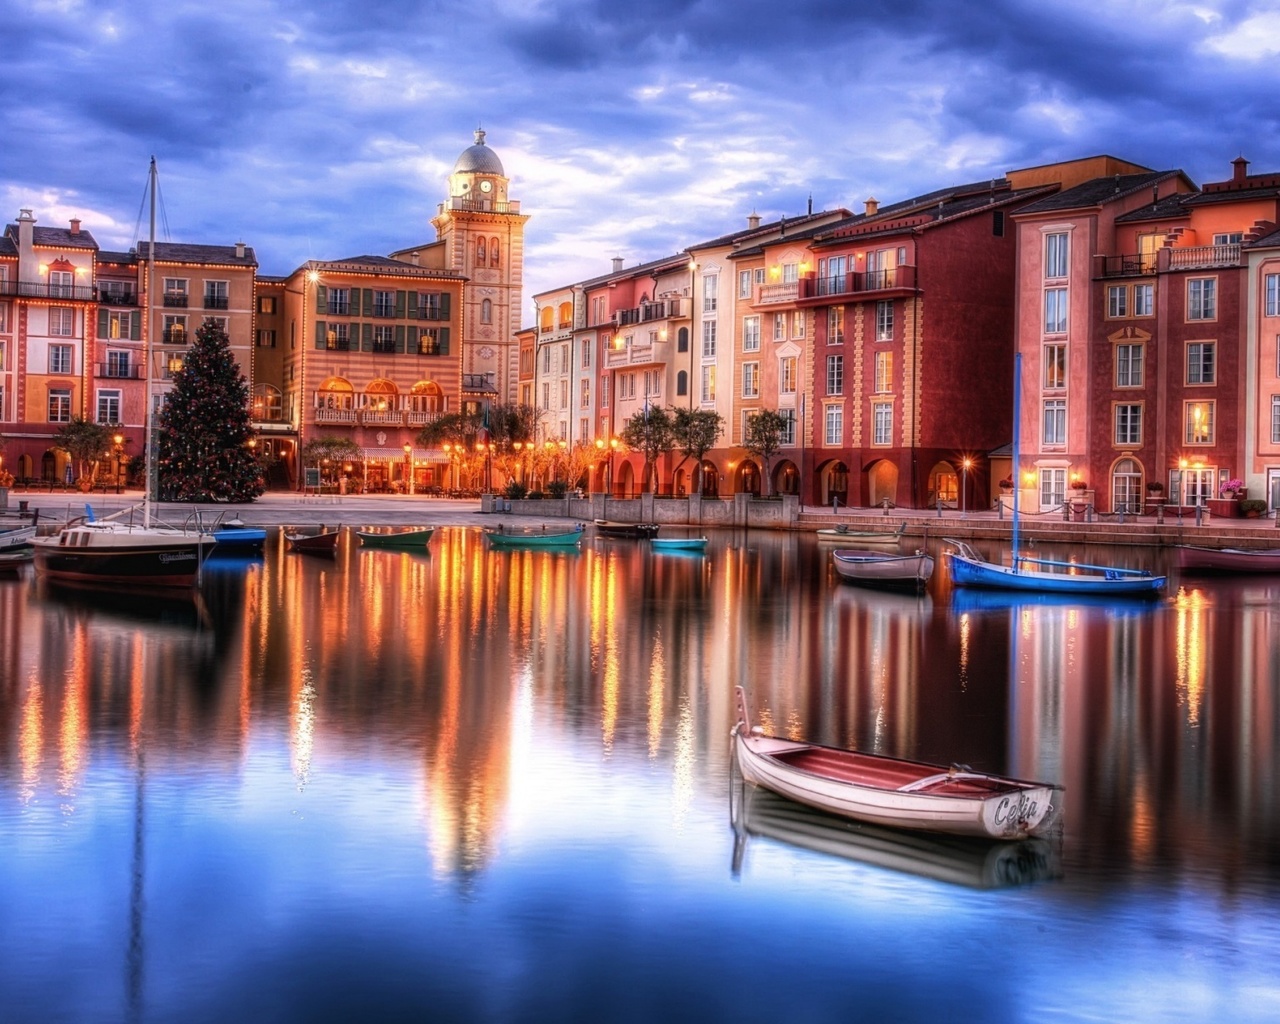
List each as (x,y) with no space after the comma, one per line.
(534,495)
(514,491)
(1248,505)
(1155,487)
(557,488)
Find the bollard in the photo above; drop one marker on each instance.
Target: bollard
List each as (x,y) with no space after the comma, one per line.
(1000,507)
(939,508)
(1066,511)
(885,503)
(1199,515)
(1122,515)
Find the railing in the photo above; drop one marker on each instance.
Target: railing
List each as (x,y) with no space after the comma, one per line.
(175,300)
(421,419)
(856,283)
(326,415)
(387,418)
(175,336)
(339,307)
(649,311)
(133,372)
(215,302)
(1128,266)
(1204,256)
(432,350)
(770,293)
(338,344)
(480,205)
(383,347)
(41,290)
(111,298)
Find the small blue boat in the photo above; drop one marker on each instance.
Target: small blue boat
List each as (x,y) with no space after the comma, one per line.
(969,569)
(234,537)
(679,543)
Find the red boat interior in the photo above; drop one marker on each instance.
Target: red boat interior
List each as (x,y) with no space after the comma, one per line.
(885,773)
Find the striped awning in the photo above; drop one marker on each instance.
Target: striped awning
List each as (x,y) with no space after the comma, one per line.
(397,454)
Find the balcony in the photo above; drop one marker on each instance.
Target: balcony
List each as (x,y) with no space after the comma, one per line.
(479,205)
(1194,257)
(325,414)
(382,417)
(664,309)
(215,302)
(175,300)
(771,294)
(41,290)
(114,298)
(900,278)
(338,345)
(479,384)
(1134,265)
(638,353)
(421,419)
(1204,257)
(174,336)
(117,372)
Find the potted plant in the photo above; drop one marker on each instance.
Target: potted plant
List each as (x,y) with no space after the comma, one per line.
(1006,484)
(1155,488)
(1230,488)
(1079,484)
(1252,508)
(6,481)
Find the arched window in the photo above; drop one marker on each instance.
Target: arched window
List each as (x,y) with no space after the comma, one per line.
(479,252)
(546,318)
(268,404)
(493,252)
(682,382)
(486,311)
(682,340)
(1126,486)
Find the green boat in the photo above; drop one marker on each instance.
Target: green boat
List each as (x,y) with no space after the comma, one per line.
(501,538)
(392,537)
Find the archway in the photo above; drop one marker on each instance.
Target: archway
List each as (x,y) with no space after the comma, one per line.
(710,479)
(426,399)
(679,483)
(882,483)
(747,478)
(833,483)
(380,397)
(626,483)
(944,486)
(786,478)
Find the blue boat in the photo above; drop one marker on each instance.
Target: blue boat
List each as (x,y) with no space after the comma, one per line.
(234,537)
(678,543)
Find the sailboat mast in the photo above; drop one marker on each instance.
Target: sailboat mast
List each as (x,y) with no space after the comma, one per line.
(1017,426)
(153,470)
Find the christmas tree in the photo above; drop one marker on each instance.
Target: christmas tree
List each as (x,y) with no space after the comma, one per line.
(205,449)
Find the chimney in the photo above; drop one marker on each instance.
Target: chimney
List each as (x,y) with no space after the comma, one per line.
(239,247)
(872,205)
(1241,166)
(617,264)
(75,226)
(26,229)
(753,220)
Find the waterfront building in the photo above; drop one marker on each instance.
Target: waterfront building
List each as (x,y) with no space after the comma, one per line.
(1262,369)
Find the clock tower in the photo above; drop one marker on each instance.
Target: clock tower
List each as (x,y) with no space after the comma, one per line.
(482,229)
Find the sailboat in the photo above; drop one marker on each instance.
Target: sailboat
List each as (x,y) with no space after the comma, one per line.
(1042,575)
(131,547)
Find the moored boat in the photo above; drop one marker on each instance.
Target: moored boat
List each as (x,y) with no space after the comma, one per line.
(17,537)
(880,569)
(1228,560)
(237,537)
(503,538)
(678,543)
(970,569)
(861,538)
(119,550)
(322,542)
(395,537)
(892,791)
(607,528)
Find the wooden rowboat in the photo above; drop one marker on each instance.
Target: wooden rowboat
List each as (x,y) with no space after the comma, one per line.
(679,543)
(861,538)
(501,538)
(880,569)
(13,558)
(323,543)
(890,791)
(606,528)
(390,537)
(1228,560)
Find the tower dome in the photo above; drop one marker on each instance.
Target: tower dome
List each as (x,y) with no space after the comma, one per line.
(478,159)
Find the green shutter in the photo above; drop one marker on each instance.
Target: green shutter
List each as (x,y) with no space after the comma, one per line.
(399,305)
(102,323)
(444,306)
(322,299)
(367,338)
(443,338)
(399,338)
(322,334)
(135,326)
(366,308)
(413,305)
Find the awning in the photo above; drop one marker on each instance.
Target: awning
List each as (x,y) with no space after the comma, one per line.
(397,454)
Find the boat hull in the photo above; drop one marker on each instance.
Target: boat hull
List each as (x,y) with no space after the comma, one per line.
(13,558)
(239,539)
(605,528)
(534,540)
(313,543)
(877,569)
(967,572)
(158,564)
(679,543)
(861,538)
(395,539)
(1228,560)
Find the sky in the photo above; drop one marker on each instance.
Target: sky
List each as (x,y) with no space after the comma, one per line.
(633,128)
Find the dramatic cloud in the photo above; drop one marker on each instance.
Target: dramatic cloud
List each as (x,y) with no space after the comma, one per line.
(327,128)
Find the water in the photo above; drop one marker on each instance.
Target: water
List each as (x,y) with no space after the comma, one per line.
(495,786)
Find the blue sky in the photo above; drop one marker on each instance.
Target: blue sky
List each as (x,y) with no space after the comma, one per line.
(327,128)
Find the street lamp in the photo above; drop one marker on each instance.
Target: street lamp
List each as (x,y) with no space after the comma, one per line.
(118,441)
(408,468)
(964,486)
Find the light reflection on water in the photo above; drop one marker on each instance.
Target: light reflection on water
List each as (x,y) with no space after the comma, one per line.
(495,786)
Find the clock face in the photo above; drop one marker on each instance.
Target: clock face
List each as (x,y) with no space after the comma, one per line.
(485,186)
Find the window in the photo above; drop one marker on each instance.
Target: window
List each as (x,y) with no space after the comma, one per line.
(546,395)
(1055,255)
(744,284)
(787,376)
(884,320)
(267,304)
(4,316)
(215,295)
(175,292)
(60,405)
(4,350)
(1200,358)
(835,325)
(586,355)
(882,423)
(339,302)
(1055,367)
(486,311)
(564,393)
(884,372)
(1129,366)
(751,334)
(175,330)
(266,338)
(119,325)
(61,283)
(682,384)
(1117,300)
(62,321)
(604,392)
(831,273)
(384,338)
(1055,311)
(835,375)
(1128,424)
(1055,422)
(384,303)
(1053,487)
(60,358)
(779,326)
(750,380)
(1199,422)
(1143,299)
(797,324)
(432,306)
(1228,238)
(790,273)
(1275,419)
(708,339)
(494,252)
(708,383)
(682,340)
(584,395)
(1272,287)
(219,322)
(1202,298)
(337,337)
(564,358)
(117,364)
(709,285)
(787,438)
(432,341)
(108,406)
(834,425)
